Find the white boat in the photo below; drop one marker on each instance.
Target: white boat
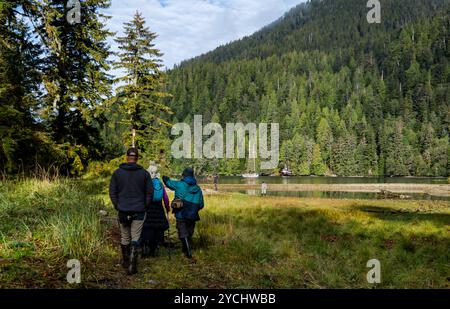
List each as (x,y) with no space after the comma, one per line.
(250,175)
(286,172)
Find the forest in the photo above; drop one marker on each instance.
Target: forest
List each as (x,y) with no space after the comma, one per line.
(351,98)
(61,108)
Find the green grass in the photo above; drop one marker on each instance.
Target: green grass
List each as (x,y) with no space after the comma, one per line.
(241,242)
(253,242)
(43,224)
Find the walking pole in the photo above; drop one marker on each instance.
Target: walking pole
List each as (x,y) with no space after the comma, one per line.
(168,237)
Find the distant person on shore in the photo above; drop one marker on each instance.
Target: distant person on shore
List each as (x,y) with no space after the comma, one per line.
(216,182)
(186,206)
(156,222)
(131,192)
(264,188)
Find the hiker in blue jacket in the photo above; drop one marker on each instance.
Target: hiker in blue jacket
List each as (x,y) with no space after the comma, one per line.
(186,206)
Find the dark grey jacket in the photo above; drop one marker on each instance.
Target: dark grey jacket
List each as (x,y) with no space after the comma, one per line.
(131,188)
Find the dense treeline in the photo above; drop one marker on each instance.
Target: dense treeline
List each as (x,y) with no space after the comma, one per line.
(351,98)
(57,107)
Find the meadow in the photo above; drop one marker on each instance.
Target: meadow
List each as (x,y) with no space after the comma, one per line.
(241,242)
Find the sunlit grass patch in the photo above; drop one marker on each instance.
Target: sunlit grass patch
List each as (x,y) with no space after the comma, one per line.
(43,224)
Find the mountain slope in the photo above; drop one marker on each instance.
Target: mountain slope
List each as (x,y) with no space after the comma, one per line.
(351,98)
(326,25)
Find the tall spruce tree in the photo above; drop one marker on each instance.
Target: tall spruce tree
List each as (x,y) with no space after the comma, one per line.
(75,74)
(141,90)
(19,85)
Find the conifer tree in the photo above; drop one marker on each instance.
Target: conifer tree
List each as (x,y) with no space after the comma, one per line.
(317,166)
(75,73)
(19,85)
(141,92)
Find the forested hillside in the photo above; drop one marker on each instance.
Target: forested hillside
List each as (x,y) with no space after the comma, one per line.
(58,110)
(352,98)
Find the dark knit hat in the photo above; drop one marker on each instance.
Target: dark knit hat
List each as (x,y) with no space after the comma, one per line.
(188,172)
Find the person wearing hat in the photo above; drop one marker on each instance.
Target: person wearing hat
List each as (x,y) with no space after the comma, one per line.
(186,206)
(156,221)
(131,193)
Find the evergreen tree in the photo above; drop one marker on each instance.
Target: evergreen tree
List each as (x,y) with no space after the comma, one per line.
(19,91)
(142,90)
(75,74)
(325,140)
(317,166)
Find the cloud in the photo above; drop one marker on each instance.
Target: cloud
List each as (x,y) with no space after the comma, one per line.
(188,28)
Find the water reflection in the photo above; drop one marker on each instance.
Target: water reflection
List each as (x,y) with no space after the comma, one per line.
(341,195)
(326,180)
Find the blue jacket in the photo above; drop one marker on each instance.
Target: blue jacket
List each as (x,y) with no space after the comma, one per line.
(190,193)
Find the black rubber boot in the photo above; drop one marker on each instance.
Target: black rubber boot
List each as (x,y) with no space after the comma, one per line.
(152,251)
(145,250)
(125,256)
(132,268)
(187,248)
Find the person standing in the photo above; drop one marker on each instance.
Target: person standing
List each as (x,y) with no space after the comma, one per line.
(156,222)
(216,182)
(186,206)
(264,188)
(131,192)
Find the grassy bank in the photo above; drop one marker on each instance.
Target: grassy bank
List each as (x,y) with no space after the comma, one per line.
(45,223)
(242,241)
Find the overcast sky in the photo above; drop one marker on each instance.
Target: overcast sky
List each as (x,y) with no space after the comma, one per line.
(188,28)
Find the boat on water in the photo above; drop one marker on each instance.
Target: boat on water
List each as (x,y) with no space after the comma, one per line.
(286,172)
(250,175)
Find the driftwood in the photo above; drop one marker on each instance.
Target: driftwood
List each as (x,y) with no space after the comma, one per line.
(393,195)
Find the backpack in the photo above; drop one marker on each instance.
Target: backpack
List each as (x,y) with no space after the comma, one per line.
(158,190)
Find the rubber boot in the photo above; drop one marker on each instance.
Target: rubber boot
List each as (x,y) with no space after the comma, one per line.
(145,249)
(187,248)
(152,249)
(132,268)
(125,256)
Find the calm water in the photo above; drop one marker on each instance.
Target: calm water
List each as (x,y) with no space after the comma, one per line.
(332,180)
(326,180)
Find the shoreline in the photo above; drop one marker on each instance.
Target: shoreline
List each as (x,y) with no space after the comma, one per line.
(431,189)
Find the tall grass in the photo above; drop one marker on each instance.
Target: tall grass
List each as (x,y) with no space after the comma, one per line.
(48,221)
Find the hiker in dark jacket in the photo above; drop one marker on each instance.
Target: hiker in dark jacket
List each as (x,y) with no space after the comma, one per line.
(191,197)
(131,192)
(156,222)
